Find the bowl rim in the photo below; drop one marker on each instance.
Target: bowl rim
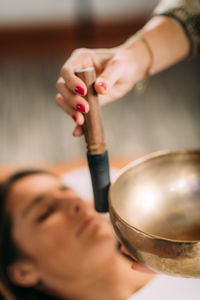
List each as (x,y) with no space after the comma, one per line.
(135,163)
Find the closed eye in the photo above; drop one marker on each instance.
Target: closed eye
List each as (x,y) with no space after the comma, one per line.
(46,214)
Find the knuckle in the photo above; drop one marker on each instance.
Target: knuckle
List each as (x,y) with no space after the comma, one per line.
(58,100)
(79,51)
(116,61)
(75,52)
(59,83)
(63,70)
(106,78)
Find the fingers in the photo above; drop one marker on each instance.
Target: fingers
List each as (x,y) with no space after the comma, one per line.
(72,100)
(77,116)
(77,131)
(63,104)
(72,89)
(72,82)
(109,76)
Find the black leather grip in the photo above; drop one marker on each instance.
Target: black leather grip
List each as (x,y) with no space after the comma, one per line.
(99,171)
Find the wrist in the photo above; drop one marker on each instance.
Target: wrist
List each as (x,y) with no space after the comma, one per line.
(139,59)
(147,51)
(141,53)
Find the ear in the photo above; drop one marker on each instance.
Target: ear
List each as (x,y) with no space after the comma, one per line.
(23,273)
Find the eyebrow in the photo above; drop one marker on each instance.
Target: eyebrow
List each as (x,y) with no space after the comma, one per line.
(41,198)
(35,201)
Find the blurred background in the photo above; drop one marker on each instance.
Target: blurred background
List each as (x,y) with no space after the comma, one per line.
(36,37)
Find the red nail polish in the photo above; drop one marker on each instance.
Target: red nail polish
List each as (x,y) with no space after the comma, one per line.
(75,118)
(79,90)
(103,85)
(81,107)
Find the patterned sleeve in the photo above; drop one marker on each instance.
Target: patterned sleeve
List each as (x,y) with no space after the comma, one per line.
(187,14)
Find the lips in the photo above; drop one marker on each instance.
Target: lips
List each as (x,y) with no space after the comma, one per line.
(86,224)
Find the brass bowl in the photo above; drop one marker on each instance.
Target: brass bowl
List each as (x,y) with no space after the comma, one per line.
(155,211)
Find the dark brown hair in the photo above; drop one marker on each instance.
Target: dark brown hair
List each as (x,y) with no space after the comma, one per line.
(8,250)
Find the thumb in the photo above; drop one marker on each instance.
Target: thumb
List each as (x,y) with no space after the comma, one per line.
(109,76)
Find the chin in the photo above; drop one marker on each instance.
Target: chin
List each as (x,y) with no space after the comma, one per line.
(104,235)
(99,235)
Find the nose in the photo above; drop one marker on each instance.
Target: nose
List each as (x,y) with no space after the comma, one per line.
(75,207)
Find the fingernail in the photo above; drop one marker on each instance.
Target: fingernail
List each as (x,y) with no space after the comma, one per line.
(75,118)
(103,85)
(81,107)
(79,90)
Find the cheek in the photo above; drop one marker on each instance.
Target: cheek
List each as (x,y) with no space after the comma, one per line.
(53,236)
(56,234)
(58,249)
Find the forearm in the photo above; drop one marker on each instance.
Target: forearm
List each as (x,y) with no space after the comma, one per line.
(167,40)
(172,33)
(187,14)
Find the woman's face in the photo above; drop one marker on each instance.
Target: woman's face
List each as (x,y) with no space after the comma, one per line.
(59,233)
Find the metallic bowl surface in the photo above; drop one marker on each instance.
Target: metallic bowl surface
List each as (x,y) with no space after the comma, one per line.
(155,211)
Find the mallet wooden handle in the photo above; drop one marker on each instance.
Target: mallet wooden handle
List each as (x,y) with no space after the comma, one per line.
(93,125)
(94,135)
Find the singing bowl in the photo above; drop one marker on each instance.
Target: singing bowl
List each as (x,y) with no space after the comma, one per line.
(154,207)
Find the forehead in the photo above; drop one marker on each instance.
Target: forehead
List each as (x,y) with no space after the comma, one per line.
(29,187)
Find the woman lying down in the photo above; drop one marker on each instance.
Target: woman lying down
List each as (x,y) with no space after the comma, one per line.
(54,245)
